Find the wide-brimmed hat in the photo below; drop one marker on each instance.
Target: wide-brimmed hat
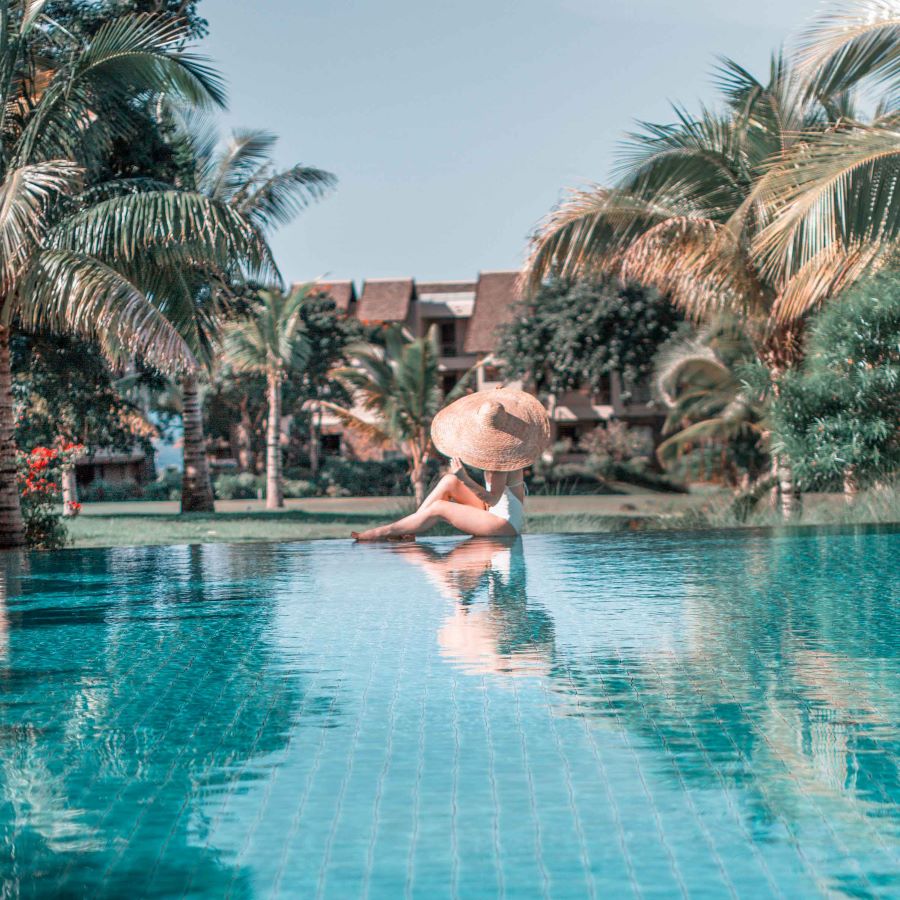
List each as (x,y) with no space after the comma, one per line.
(498,431)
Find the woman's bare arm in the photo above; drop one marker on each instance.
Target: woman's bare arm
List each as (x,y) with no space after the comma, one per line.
(497,481)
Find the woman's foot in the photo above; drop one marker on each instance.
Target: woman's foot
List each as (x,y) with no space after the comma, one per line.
(376,534)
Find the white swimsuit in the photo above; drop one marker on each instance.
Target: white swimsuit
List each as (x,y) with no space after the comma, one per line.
(511,509)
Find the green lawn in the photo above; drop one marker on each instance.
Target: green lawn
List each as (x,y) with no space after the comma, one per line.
(141,523)
(135,524)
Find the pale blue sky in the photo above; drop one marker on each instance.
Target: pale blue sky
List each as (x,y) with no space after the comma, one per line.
(454,126)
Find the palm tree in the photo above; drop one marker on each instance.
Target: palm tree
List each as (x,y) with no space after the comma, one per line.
(709,403)
(691,211)
(81,260)
(270,342)
(241,176)
(396,391)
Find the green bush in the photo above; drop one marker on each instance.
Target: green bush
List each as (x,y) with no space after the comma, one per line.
(836,417)
(370,478)
(167,486)
(240,486)
(300,487)
(102,491)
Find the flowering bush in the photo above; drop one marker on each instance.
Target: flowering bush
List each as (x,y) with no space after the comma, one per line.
(39,476)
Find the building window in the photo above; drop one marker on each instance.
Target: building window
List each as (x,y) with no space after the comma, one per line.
(567,432)
(448,338)
(491,373)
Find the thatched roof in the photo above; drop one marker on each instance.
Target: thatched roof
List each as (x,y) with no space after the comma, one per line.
(342,292)
(385,300)
(494,297)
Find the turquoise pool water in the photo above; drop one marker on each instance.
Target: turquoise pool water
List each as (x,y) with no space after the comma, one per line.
(708,715)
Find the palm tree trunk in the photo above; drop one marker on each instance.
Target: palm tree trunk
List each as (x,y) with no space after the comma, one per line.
(274,488)
(196,487)
(851,484)
(790,498)
(418,483)
(245,455)
(69,490)
(12,527)
(314,442)
(418,471)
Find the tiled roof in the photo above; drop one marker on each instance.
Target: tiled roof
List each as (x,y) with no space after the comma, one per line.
(342,292)
(494,296)
(385,300)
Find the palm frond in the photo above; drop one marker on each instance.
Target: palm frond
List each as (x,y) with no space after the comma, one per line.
(31,11)
(720,429)
(237,163)
(72,292)
(244,346)
(853,42)
(270,338)
(122,228)
(834,191)
(824,276)
(144,52)
(588,231)
(26,194)
(277,197)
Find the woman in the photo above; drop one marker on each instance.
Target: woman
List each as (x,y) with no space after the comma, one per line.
(501,432)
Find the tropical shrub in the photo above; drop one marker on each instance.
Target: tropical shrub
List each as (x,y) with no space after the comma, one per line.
(240,486)
(102,491)
(167,486)
(716,396)
(40,492)
(838,417)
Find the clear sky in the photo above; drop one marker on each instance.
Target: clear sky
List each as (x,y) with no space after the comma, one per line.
(453,126)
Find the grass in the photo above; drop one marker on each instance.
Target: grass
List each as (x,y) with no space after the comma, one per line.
(146,523)
(137,524)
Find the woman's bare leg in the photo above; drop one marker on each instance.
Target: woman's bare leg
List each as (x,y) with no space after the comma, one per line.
(477,522)
(448,488)
(452,488)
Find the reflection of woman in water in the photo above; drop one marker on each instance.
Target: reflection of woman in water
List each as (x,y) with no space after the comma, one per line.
(493,628)
(501,432)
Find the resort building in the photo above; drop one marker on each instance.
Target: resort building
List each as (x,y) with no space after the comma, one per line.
(469,316)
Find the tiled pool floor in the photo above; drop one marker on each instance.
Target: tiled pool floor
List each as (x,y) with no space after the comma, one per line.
(707,715)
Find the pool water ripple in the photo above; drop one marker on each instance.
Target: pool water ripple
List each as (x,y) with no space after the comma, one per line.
(701,715)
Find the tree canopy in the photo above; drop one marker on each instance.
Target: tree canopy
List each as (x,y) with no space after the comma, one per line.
(573,334)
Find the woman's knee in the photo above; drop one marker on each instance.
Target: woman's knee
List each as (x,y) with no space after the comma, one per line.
(449,483)
(441,508)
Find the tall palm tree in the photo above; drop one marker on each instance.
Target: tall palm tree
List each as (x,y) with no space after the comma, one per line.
(241,176)
(75,259)
(396,391)
(690,211)
(270,342)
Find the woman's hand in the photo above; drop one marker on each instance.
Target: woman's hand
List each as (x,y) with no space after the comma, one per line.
(456,466)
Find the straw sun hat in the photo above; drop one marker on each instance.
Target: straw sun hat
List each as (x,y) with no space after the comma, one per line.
(498,431)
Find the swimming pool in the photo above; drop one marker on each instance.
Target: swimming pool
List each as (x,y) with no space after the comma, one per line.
(571,716)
